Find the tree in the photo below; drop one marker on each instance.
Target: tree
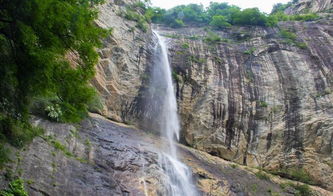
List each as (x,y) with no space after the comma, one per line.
(35,37)
(219,22)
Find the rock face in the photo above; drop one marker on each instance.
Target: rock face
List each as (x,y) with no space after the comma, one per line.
(312,6)
(102,158)
(257,98)
(124,59)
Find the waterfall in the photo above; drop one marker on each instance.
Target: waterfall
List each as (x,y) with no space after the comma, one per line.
(162,109)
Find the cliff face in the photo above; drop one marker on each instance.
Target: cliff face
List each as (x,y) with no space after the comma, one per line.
(101,158)
(312,6)
(124,59)
(256,98)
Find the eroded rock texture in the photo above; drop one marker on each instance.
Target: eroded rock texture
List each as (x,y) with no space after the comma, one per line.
(124,59)
(257,98)
(313,6)
(102,158)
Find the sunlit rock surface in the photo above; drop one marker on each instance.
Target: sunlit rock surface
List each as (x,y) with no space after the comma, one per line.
(256,99)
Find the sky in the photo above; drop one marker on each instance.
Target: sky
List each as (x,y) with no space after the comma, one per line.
(263,5)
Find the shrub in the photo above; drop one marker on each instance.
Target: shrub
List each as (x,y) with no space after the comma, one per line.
(287,34)
(219,22)
(54,112)
(16,188)
(185,46)
(250,51)
(4,155)
(212,38)
(34,64)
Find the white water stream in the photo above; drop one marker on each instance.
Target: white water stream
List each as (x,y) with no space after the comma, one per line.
(178,175)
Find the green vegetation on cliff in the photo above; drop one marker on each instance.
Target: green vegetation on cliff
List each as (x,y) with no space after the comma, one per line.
(47,57)
(222,15)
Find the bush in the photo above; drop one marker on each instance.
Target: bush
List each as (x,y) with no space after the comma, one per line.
(33,61)
(17,132)
(219,22)
(16,188)
(212,38)
(4,155)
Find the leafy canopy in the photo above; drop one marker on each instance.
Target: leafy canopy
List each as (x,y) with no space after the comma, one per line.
(37,39)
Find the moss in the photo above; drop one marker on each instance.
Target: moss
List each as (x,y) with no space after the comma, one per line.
(212,38)
(301,189)
(254,188)
(250,51)
(298,174)
(185,45)
(262,176)
(263,104)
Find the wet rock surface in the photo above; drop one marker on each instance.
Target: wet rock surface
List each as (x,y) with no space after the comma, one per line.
(256,98)
(100,157)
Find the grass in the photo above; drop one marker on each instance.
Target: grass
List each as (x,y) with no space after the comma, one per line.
(301,189)
(185,46)
(297,174)
(197,60)
(263,104)
(250,51)
(212,38)
(291,38)
(262,175)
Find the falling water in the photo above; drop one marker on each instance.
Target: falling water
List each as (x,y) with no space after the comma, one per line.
(163,101)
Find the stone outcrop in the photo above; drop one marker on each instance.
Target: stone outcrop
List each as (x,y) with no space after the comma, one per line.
(102,158)
(312,6)
(124,58)
(257,98)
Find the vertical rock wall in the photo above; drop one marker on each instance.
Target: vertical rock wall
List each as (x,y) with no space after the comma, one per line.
(123,61)
(257,98)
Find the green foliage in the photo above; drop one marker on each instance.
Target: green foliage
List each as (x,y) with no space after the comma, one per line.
(54,112)
(263,104)
(16,188)
(4,155)
(284,33)
(280,16)
(35,37)
(250,51)
(185,45)
(212,38)
(301,189)
(250,16)
(297,174)
(291,38)
(17,132)
(262,176)
(218,15)
(219,22)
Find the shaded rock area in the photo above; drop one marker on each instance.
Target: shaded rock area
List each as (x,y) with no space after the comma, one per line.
(99,157)
(256,97)
(124,58)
